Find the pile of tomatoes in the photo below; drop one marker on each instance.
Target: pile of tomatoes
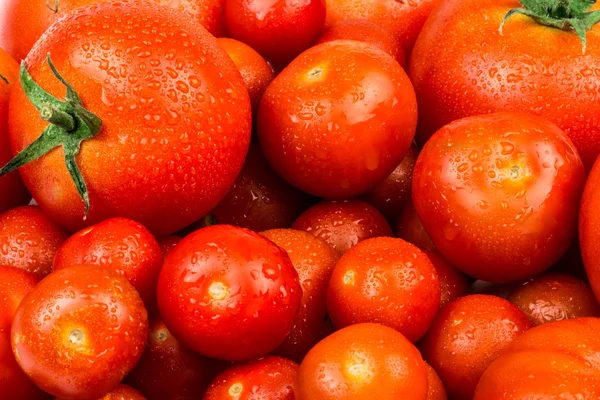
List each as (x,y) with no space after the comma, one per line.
(299,199)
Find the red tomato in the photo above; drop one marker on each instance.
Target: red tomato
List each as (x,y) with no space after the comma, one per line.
(344,89)
(314,260)
(453,284)
(589,229)
(123,392)
(29,240)
(168,243)
(410,228)
(362,362)
(277,29)
(499,194)
(121,245)
(388,281)
(270,378)
(80,331)
(435,389)
(466,336)
(175,113)
(229,293)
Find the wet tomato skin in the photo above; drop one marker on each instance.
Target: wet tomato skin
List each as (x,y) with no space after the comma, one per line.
(453,284)
(228,279)
(589,229)
(435,389)
(410,228)
(122,392)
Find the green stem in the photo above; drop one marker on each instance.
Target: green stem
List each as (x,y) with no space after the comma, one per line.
(59,118)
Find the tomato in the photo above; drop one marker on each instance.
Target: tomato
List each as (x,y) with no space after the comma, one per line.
(369,32)
(80,331)
(175,128)
(410,228)
(29,240)
(466,336)
(277,29)
(388,281)
(344,89)
(270,378)
(453,284)
(459,71)
(314,260)
(123,392)
(168,243)
(25,21)
(259,199)
(589,229)
(435,389)
(229,293)
(360,362)
(499,194)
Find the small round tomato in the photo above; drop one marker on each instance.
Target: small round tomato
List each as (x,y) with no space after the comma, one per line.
(229,293)
(168,243)
(499,194)
(122,392)
(270,378)
(466,336)
(435,389)
(589,228)
(121,245)
(361,362)
(313,118)
(410,228)
(453,284)
(29,240)
(279,29)
(314,260)
(343,224)
(80,331)
(388,281)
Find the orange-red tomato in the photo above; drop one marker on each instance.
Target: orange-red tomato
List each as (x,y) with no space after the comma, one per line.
(453,284)
(314,260)
(29,240)
(80,331)
(499,194)
(435,389)
(410,228)
(168,243)
(466,336)
(589,228)
(388,281)
(270,378)
(122,392)
(313,118)
(343,224)
(362,362)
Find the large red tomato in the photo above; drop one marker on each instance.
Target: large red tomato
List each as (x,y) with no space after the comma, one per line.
(175,117)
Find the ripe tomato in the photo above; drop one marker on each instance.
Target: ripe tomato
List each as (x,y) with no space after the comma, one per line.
(499,194)
(453,284)
(314,260)
(589,229)
(466,336)
(175,128)
(277,29)
(410,228)
(229,293)
(361,362)
(313,118)
(80,331)
(459,71)
(123,392)
(168,243)
(29,240)
(388,281)
(121,245)
(435,389)
(270,378)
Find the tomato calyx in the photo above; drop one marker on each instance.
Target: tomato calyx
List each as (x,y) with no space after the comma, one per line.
(567,15)
(70,125)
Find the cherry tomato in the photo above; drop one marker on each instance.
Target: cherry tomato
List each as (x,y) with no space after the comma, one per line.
(361,362)
(466,336)
(314,260)
(453,284)
(410,228)
(343,224)
(29,240)
(344,89)
(229,293)
(80,331)
(122,392)
(168,243)
(589,229)
(435,389)
(499,194)
(270,378)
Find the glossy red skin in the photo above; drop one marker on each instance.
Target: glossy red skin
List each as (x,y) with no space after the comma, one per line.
(555,297)
(410,228)
(314,260)
(100,304)
(343,224)
(278,29)
(369,32)
(466,336)
(459,71)
(453,284)
(435,389)
(361,362)
(166,154)
(168,370)
(589,228)
(29,240)
(387,281)
(318,93)
(229,293)
(270,378)
(122,392)
(259,199)
(487,219)
(121,245)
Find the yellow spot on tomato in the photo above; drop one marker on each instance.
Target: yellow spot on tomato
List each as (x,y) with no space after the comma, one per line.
(236,389)
(218,290)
